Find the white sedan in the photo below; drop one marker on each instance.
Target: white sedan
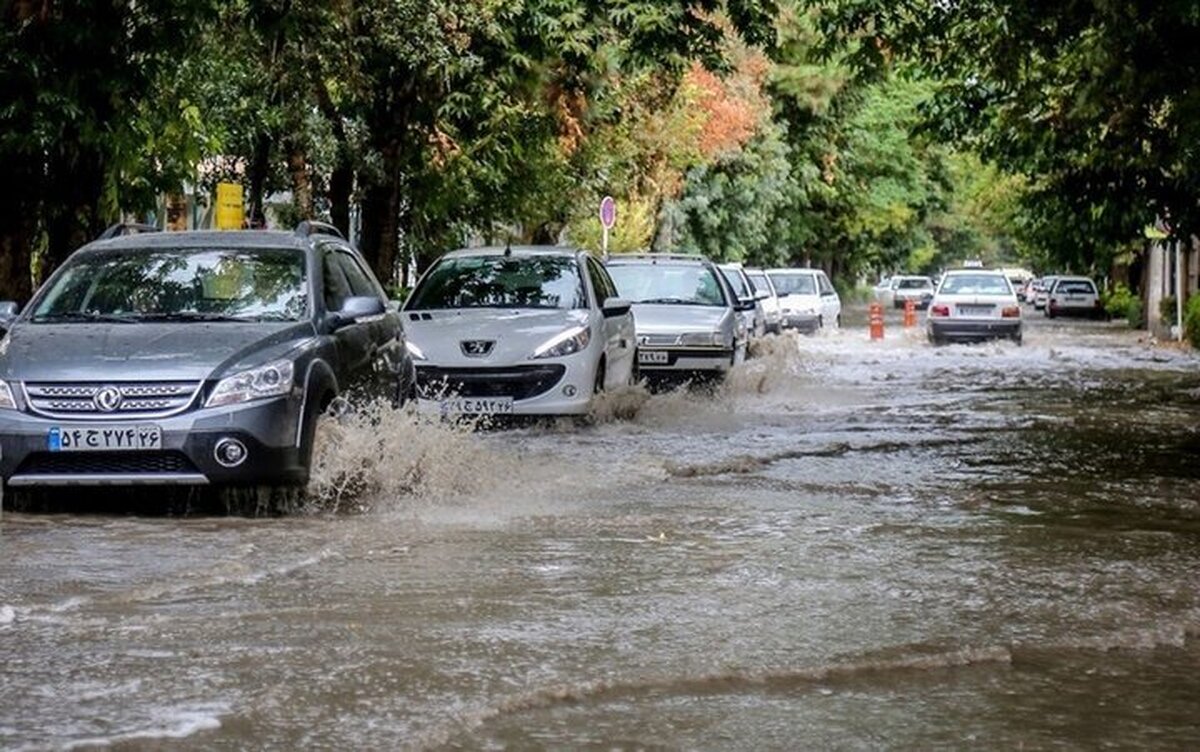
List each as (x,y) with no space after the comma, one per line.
(972,305)
(518,331)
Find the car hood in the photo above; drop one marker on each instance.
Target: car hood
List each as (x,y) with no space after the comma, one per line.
(140,352)
(651,318)
(516,333)
(797,301)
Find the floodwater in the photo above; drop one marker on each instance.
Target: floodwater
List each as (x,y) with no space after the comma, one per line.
(854,545)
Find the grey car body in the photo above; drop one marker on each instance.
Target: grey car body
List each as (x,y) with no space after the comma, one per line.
(681,335)
(125,399)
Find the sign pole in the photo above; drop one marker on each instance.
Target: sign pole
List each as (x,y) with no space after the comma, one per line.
(608,218)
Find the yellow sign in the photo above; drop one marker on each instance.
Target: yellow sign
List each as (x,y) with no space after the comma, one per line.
(230,213)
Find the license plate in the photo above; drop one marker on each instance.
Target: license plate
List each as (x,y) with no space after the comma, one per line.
(142,438)
(477,406)
(975,310)
(653,357)
(1074,298)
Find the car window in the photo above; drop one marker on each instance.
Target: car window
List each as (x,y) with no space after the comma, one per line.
(601,282)
(915,283)
(975,284)
(179,283)
(759,283)
(793,284)
(1075,287)
(337,287)
(538,281)
(668,283)
(361,283)
(734,278)
(826,288)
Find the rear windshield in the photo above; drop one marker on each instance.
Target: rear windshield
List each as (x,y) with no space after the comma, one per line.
(794,284)
(667,283)
(918,283)
(976,284)
(263,284)
(1075,287)
(501,282)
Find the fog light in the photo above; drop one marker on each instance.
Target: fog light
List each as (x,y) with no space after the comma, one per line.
(570,390)
(230,452)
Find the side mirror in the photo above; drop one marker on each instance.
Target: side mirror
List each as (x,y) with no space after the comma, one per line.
(8,314)
(355,308)
(616,307)
(746,304)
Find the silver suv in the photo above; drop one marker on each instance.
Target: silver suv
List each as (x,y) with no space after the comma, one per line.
(191,358)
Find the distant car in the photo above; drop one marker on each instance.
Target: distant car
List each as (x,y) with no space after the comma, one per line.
(535,330)
(917,289)
(192,359)
(1041,292)
(686,314)
(885,291)
(808,300)
(754,319)
(772,315)
(1074,296)
(974,305)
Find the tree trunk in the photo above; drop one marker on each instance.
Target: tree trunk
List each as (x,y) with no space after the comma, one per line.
(260,166)
(302,190)
(341,190)
(380,239)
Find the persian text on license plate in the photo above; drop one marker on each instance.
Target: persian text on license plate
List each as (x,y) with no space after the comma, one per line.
(975,310)
(653,357)
(102,438)
(478,406)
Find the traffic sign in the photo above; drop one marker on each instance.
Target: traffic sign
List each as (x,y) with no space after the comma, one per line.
(608,212)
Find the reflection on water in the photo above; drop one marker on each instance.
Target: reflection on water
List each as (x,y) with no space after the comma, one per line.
(848,545)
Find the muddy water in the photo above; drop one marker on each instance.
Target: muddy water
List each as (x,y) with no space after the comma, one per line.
(852,546)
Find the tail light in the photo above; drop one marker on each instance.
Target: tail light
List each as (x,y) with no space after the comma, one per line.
(939,310)
(1011,312)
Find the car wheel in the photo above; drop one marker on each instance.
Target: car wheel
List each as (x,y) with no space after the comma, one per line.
(598,386)
(1017,339)
(820,322)
(838,323)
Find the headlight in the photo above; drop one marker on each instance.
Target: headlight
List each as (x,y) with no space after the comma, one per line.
(413,350)
(569,342)
(270,380)
(6,397)
(701,339)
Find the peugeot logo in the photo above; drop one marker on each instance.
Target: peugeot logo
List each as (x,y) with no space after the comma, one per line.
(477,348)
(107,399)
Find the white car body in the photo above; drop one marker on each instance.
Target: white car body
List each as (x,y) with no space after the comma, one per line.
(973,305)
(807,299)
(1042,292)
(772,313)
(1073,296)
(917,289)
(484,360)
(754,320)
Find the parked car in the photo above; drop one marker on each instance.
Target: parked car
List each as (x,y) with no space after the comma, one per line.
(769,304)
(917,289)
(754,319)
(518,331)
(885,291)
(192,358)
(973,305)
(1074,296)
(808,300)
(685,312)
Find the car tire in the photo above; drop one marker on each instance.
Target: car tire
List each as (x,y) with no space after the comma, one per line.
(601,375)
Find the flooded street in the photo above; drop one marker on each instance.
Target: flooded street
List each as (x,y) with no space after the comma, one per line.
(853,545)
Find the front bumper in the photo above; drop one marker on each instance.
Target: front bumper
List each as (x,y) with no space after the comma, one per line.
(269,429)
(801,322)
(974,330)
(556,387)
(686,360)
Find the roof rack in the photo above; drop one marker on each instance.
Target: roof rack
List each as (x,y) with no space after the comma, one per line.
(126,228)
(658,256)
(311,227)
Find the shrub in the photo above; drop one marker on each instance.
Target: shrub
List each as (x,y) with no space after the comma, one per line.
(1191,320)
(1133,313)
(1119,303)
(1167,311)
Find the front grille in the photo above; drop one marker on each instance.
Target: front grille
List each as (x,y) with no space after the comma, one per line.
(105,463)
(658,340)
(138,399)
(518,382)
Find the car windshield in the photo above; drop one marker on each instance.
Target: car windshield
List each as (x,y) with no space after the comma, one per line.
(667,283)
(759,283)
(736,282)
(1075,287)
(794,284)
(262,284)
(915,283)
(975,284)
(501,282)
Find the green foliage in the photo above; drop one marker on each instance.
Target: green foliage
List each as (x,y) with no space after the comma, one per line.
(1168,311)
(1120,302)
(1191,320)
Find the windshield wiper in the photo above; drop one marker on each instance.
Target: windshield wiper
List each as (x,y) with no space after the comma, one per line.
(196,316)
(75,317)
(670,301)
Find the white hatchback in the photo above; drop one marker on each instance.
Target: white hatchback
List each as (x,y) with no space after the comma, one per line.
(1073,296)
(518,331)
(807,299)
